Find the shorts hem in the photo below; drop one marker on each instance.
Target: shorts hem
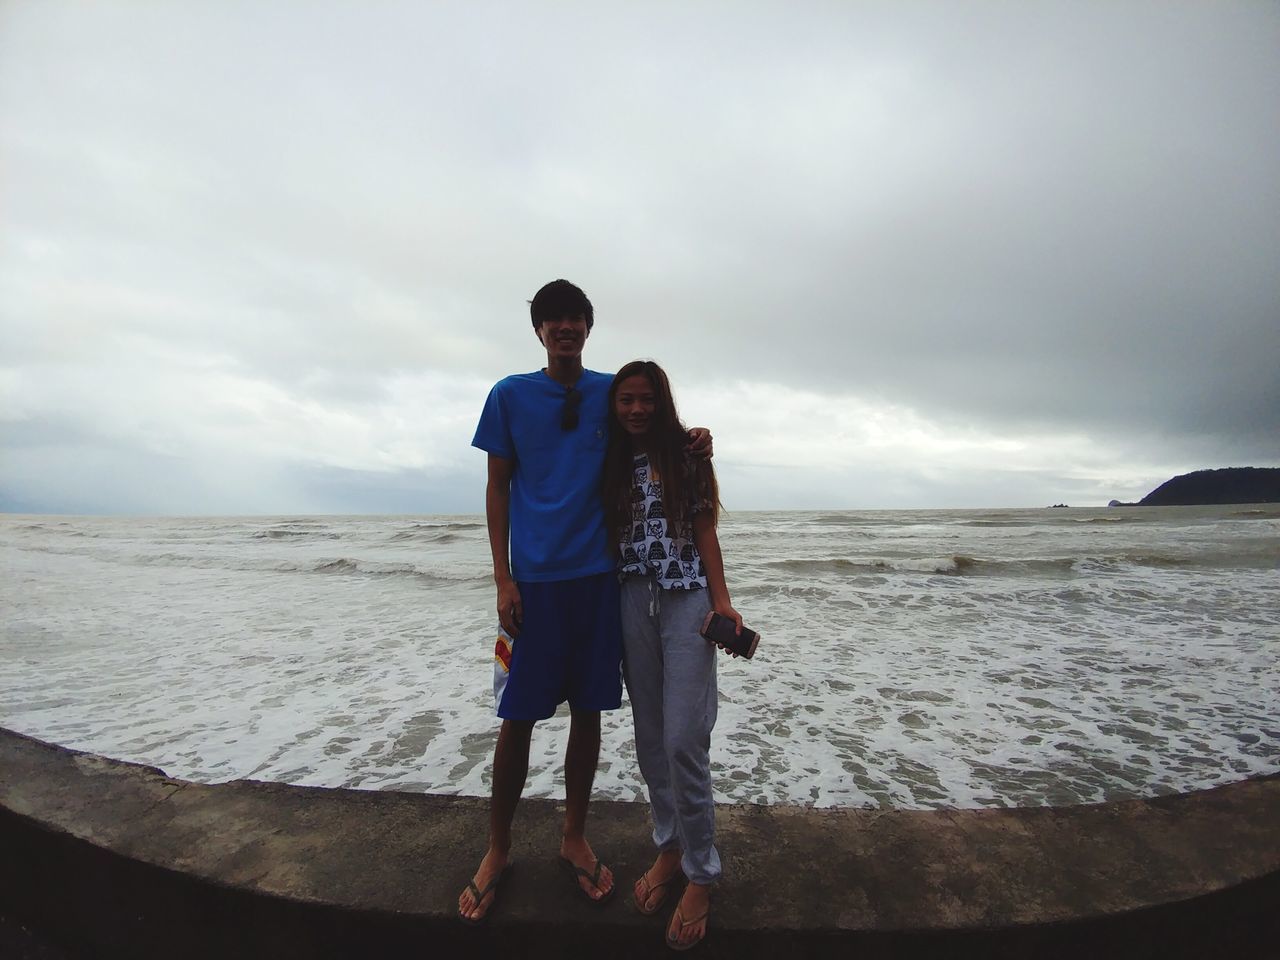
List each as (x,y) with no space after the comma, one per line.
(525,719)
(594,709)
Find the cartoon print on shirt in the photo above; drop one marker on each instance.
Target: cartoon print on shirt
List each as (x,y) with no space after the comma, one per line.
(652,546)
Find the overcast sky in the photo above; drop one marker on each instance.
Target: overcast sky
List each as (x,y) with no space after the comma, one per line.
(268,257)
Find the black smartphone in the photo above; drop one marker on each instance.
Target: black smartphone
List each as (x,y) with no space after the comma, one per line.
(720,631)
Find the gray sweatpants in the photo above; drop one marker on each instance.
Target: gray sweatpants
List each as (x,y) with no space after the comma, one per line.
(671,678)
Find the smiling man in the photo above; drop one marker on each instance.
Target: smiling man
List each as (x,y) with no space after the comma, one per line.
(545,434)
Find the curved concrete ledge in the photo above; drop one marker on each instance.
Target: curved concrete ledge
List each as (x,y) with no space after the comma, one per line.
(119,859)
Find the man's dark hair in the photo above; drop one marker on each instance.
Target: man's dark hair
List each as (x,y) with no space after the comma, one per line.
(560,298)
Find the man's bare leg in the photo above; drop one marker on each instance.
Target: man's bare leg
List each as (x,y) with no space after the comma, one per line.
(510,770)
(580,760)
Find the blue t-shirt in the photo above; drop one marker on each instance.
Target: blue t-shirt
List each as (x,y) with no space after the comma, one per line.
(557,520)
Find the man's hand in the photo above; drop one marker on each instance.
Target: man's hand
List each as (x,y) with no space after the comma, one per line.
(699,443)
(510,608)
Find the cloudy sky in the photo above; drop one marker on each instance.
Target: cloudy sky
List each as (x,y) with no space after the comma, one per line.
(268,257)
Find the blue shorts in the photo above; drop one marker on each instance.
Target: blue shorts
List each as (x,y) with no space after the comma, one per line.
(569,648)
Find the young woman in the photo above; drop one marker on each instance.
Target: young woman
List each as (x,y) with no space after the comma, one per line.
(663,507)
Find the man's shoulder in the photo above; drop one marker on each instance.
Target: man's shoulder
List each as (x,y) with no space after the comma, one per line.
(519,383)
(519,379)
(537,381)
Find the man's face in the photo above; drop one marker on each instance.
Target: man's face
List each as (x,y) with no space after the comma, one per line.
(564,336)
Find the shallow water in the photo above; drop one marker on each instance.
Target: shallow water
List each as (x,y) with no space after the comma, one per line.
(909,658)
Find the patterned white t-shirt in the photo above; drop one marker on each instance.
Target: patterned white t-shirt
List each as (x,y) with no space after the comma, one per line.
(649,548)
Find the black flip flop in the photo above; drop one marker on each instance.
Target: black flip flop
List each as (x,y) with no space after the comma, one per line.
(491,889)
(593,877)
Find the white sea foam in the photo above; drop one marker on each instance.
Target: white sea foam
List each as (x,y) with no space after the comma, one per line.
(909,659)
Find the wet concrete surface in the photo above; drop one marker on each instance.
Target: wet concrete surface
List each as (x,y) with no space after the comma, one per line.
(19,942)
(122,860)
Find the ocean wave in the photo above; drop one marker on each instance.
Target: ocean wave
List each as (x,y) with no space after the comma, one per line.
(852,518)
(1260,557)
(62,529)
(425,536)
(1119,518)
(448,532)
(178,560)
(955,565)
(1144,559)
(444,573)
(291,533)
(838,519)
(373,568)
(344,565)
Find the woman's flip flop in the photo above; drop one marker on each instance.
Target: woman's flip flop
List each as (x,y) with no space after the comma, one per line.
(650,889)
(674,942)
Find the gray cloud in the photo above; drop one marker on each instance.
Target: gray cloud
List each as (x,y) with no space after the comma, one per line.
(1034,221)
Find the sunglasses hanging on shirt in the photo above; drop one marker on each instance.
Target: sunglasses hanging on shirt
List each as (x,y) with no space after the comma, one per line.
(569,412)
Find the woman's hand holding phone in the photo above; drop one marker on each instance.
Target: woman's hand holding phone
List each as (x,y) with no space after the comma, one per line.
(725,629)
(726,610)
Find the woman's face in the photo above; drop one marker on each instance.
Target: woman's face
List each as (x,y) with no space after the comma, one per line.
(634,403)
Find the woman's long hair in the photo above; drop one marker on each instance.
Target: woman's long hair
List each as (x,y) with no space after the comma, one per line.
(684,481)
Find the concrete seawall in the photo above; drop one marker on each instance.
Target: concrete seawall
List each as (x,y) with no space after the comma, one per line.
(116,859)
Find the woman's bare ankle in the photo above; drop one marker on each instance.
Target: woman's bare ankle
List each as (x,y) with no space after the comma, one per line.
(666,863)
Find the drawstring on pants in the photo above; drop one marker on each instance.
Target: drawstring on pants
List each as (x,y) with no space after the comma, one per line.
(655,591)
(655,594)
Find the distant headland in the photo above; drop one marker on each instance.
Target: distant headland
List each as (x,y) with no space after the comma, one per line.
(1202,487)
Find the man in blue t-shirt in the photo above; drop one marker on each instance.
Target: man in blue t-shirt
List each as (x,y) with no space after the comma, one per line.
(553,564)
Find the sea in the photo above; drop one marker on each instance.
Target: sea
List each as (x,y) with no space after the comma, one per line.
(908,659)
